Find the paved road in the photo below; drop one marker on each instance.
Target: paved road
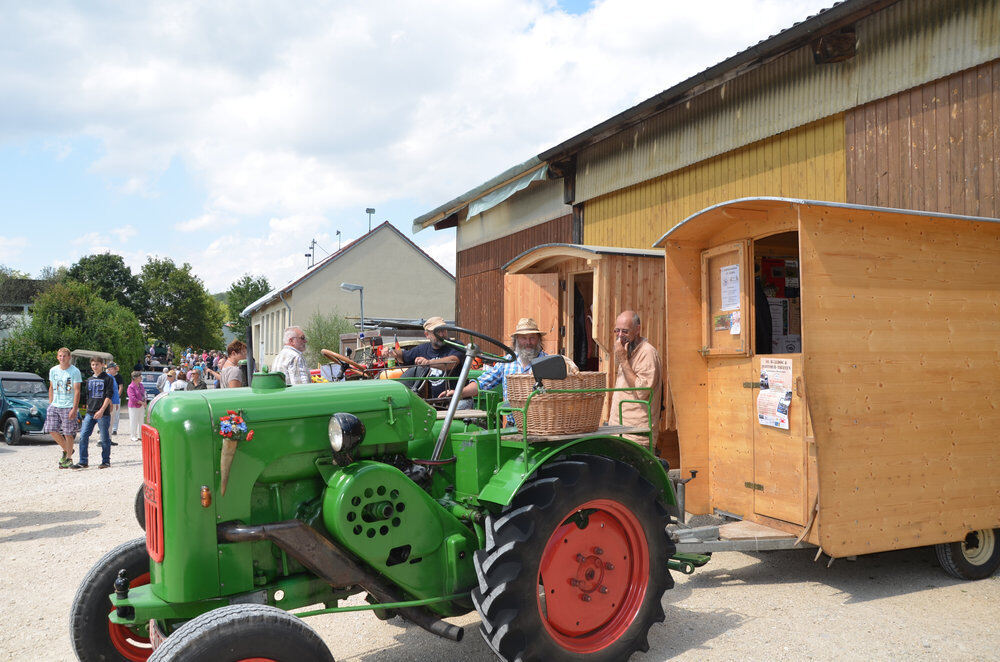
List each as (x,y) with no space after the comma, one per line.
(781,605)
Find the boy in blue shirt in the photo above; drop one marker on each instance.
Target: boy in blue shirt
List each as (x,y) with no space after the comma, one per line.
(64,398)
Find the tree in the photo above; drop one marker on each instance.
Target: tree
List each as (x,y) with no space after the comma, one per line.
(179,309)
(323,332)
(70,315)
(110,279)
(241,294)
(10,272)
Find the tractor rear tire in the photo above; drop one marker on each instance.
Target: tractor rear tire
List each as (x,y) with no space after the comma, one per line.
(243,632)
(94,637)
(975,557)
(140,506)
(576,566)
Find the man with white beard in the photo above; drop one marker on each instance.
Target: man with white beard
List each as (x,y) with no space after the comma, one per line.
(527,342)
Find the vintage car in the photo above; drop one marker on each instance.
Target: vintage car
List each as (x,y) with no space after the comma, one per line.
(149,379)
(24,399)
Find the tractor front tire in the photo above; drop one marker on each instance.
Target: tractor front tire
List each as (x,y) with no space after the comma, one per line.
(576,566)
(975,557)
(94,637)
(243,632)
(140,506)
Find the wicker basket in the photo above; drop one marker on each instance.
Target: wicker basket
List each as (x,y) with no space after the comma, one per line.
(558,413)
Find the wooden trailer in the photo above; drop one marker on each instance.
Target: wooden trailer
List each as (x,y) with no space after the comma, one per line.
(576,292)
(885,348)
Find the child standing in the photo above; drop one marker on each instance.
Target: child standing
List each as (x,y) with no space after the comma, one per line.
(136,405)
(99,389)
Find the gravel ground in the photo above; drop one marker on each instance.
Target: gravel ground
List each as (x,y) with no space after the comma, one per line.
(54,524)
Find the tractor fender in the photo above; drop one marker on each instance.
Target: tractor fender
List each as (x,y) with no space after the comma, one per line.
(512,474)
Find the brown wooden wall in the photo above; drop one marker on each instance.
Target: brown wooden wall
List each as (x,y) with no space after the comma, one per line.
(479,280)
(934,147)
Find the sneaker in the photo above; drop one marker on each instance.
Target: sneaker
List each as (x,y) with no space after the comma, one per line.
(65,463)
(78,466)
(114,443)
(105,465)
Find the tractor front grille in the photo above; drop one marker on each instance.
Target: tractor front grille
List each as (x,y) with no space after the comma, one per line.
(152,493)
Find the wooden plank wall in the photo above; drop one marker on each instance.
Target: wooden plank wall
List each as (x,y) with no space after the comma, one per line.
(935,147)
(901,326)
(479,281)
(807,162)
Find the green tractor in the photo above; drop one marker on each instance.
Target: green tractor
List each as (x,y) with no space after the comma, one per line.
(363,488)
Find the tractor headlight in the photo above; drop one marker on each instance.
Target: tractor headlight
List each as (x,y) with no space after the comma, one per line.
(33,411)
(346,431)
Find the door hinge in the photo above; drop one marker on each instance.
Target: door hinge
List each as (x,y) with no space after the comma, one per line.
(753,486)
(562,330)
(751,384)
(562,285)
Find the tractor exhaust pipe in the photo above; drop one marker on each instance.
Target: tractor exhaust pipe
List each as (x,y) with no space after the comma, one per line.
(334,566)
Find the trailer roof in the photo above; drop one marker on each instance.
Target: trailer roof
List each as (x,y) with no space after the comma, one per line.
(761,204)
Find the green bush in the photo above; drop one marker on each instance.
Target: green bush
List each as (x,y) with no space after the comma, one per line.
(323,332)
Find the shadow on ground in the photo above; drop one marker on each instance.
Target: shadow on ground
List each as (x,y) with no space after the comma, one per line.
(60,519)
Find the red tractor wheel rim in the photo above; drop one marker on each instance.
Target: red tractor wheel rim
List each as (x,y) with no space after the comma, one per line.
(592,580)
(132,646)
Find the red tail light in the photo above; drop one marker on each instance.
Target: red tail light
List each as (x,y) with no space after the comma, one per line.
(152,492)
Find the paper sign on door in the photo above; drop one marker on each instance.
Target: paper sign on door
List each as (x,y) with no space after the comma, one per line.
(775,395)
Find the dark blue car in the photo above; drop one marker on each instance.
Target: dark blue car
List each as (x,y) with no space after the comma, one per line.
(24,399)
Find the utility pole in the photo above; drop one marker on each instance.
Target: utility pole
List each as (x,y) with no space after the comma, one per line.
(311,255)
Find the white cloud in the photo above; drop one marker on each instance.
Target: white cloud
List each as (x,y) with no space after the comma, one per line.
(300,112)
(208,221)
(124,233)
(13,247)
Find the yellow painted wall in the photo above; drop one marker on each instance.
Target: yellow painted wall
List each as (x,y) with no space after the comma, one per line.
(807,162)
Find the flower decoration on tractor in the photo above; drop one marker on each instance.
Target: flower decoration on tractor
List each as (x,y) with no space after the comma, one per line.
(233,429)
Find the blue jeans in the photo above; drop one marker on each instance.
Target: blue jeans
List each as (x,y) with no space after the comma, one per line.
(103,425)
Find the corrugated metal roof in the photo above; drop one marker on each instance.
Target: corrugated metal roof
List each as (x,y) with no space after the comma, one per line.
(908,44)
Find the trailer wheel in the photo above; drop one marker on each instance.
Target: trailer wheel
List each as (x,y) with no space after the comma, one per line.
(575,567)
(976,557)
(140,506)
(94,637)
(244,632)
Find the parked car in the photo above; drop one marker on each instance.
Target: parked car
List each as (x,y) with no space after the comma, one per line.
(24,399)
(149,378)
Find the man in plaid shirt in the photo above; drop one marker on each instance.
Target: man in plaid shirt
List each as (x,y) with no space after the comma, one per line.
(527,341)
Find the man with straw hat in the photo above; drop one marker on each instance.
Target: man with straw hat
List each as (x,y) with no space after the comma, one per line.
(527,342)
(441,359)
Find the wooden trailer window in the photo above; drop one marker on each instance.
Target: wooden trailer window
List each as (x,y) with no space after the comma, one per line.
(776,286)
(724,292)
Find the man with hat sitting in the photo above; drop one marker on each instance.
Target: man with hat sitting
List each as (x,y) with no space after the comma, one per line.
(441,359)
(527,342)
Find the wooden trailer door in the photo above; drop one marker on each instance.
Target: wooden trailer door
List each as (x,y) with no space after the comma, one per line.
(779,455)
(725,304)
(535,296)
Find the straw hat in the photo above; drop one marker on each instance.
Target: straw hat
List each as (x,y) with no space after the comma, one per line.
(433,323)
(526,326)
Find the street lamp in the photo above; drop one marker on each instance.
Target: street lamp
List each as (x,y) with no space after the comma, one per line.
(351,287)
(369,211)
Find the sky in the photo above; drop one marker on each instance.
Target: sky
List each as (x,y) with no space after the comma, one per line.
(230,134)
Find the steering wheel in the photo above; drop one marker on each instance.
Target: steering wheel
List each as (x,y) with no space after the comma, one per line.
(340,358)
(509,357)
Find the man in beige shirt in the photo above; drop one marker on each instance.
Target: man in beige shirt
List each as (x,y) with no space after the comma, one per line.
(638,364)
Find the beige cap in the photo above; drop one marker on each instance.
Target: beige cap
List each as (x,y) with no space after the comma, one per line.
(527,326)
(433,323)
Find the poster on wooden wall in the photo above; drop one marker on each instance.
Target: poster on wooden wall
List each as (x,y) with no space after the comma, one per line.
(775,395)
